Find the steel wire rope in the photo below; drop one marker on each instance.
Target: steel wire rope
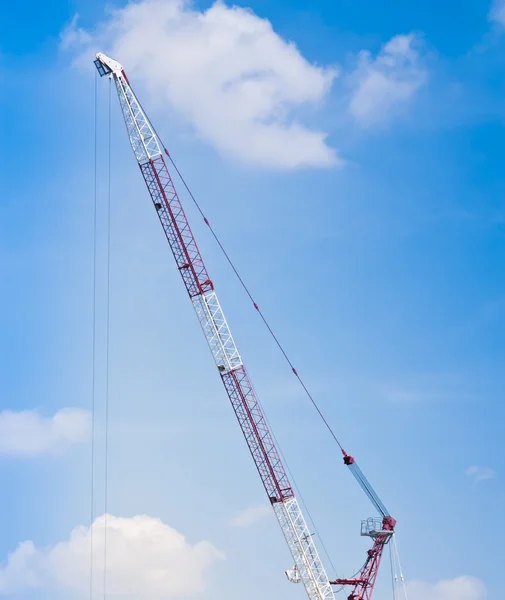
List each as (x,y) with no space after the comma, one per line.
(93,335)
(107,353)
(242,282)
(248,292)
(402,578)
(393,572)
(246,289)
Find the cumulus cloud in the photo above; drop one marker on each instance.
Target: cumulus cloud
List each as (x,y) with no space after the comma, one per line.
(28,433)
(251,515)
(381,85)
(461,588)
(145,559)
(225,71)
(497,12)
(480,473)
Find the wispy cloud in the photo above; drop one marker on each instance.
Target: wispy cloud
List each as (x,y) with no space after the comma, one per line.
(480,473)
(421,388)
(497,12)
(74,36)
(251,515)
(407,396)
(460,588)
(225,71)
(145,559)
(383,84)
(28,433)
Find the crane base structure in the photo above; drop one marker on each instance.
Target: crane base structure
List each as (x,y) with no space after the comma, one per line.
(308,568)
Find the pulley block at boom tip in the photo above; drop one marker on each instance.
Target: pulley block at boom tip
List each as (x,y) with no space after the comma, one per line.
(106,65)
(308,567)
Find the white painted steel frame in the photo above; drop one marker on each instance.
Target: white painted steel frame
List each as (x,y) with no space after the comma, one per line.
(143,140)
(299,539)
(216,331)
(303,549)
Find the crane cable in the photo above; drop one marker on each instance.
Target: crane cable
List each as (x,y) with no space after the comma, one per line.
(394,574)
(248,292)
(242,283)
(94,346)
(397,572)
(93,342)
(275,338)
(357,471)
(107,353)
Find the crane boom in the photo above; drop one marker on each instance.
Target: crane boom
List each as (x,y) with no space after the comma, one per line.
(308,567)
(148,151)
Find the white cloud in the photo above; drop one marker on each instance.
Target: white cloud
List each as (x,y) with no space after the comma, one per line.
(145,559)
(28,433)
(497,12)
(381,85)
(461,588)
(226,72)
(251,515)
(480,473)
(74,36)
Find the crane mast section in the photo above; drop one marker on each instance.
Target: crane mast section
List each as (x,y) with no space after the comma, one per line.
(148,152)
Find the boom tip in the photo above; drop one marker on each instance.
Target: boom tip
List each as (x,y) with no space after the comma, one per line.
(107,65)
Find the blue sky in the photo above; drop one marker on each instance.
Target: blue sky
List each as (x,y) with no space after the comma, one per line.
(377,254)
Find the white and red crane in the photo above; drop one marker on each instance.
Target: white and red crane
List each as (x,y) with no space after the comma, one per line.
(308,567)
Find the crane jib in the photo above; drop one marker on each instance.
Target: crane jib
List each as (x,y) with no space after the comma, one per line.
(308,565)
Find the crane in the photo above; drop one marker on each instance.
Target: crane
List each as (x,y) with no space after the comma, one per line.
(308,567)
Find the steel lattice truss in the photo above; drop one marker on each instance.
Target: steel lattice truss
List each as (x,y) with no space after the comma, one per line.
(176,226)
(216,331)
(254,426)
(308,565)
(142,138)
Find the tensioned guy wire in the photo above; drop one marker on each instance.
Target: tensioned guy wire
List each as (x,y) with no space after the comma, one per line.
(243,284)
(248,292)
